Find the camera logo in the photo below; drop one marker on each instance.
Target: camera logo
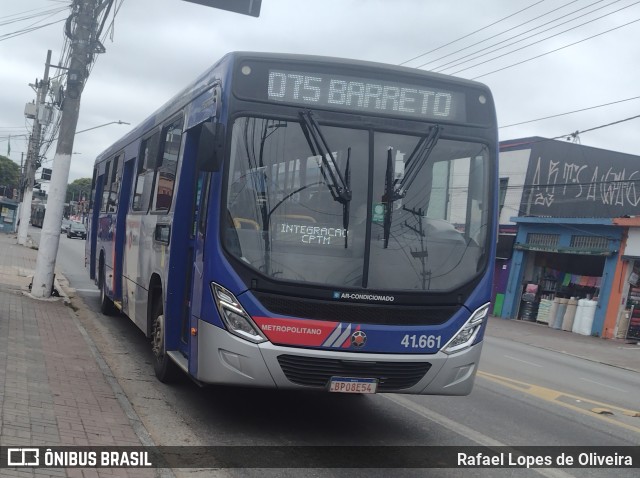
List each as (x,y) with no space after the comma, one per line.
(23,457)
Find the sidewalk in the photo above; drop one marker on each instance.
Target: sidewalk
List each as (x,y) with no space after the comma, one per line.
(55,390)
(614,352)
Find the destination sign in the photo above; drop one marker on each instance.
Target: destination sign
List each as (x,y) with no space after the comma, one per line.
(365,95)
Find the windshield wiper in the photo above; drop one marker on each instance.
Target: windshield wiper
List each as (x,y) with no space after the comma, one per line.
(339,185)
(413,166)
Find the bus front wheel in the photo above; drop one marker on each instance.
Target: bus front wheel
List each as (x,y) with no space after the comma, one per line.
(165,369)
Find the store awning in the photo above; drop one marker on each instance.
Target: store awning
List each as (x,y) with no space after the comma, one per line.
(625,257)
(564,250)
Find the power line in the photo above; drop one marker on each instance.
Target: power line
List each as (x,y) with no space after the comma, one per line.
(601,126)
(542,140)
(553,51)
(508,30)
(472,33)
(8,36)
(453,63)
(30,16)
(536,42)
(33,26)
(569,112)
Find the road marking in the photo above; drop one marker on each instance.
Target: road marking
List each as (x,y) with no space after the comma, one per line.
(463,430)
(523,361)
(562,399)
(96,291)
(604,385)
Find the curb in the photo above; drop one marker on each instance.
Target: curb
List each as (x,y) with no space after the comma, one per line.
(134,419)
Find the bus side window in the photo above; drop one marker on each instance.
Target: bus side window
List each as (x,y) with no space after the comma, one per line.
(168,163)
(105,190)
(114,187)
(93,189)
(145,173)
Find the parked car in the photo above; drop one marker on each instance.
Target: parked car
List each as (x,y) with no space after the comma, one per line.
(65,225)
(77,229)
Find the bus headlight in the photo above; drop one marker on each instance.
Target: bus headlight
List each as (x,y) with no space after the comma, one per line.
(468,333)
(236,319)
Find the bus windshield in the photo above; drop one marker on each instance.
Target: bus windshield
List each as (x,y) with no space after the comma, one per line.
(284,221)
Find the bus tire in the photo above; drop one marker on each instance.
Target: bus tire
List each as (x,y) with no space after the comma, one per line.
(107,306)
(165,369)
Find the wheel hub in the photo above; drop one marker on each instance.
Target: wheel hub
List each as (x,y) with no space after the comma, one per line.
(158,336)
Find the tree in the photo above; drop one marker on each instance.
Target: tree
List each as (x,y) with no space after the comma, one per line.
(9,177)
(79,189)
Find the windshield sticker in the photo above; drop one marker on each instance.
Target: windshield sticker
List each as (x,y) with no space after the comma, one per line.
(377,214)
(310,234)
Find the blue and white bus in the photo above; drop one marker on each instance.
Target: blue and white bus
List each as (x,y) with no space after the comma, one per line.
(302,222)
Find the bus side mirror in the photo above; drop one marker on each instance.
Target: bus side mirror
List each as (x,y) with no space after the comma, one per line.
(210,147)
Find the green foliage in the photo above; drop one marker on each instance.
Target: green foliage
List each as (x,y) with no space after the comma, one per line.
(9,176)
(78,189)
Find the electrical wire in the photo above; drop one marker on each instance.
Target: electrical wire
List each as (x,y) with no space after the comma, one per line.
(472,33)
(465,59)
(8,36)
(30,16)
(576,133)
(511,29)
(544,39)
(554,50)
(568,112)
(46,13)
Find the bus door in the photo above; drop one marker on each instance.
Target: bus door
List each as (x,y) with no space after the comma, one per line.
(96,205)
(198,285)
(123,194)
(90,243)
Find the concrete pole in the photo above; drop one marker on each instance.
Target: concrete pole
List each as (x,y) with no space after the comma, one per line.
(33,152)
(82,51)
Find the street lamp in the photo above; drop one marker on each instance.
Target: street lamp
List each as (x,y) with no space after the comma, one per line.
(95,127)
(101,125)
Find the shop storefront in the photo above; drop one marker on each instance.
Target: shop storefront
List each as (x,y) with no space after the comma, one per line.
(623,314)
(562,270)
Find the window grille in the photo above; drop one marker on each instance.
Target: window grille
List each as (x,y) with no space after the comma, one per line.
(535,239)
(589,242)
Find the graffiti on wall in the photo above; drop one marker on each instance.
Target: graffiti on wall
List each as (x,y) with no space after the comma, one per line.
(580,189)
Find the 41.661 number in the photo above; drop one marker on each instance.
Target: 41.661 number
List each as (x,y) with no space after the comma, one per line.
(421,341)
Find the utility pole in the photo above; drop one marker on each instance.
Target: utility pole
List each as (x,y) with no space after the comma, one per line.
(84,44)
(33,153)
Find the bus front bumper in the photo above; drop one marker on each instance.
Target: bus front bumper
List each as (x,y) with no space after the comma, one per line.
(226,359)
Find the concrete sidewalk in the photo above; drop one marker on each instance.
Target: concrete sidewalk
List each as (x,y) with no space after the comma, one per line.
(55,389)
(615,352)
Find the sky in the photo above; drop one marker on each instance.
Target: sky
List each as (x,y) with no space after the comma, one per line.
(566,59)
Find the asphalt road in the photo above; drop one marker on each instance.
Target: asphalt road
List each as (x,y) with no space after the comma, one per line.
(523,396)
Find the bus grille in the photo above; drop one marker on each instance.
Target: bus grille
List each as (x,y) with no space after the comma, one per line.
(356,312)
(316,372)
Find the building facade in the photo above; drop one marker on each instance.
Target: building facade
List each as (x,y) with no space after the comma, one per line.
(566,254)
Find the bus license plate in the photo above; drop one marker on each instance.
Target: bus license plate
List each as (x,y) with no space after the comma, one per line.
(353,385)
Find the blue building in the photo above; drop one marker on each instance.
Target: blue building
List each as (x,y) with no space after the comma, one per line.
(559,237)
